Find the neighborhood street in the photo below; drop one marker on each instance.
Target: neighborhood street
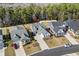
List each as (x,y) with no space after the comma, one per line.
(58,51)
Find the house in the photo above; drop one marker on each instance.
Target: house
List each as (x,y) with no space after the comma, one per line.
(1,40)
(18,33)
(56,28)
(73,26)
(38,28)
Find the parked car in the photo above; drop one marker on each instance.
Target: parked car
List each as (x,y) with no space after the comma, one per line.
(68,45)
(16,46)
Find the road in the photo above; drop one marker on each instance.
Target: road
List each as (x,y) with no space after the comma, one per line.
(71,39)
(58,51)
(41,42)
(20,51)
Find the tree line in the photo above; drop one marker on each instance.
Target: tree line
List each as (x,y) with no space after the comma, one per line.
(22,15)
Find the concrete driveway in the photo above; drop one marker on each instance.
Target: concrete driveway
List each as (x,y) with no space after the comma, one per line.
(41,42)
(71,39)
(20,51)
(2,52)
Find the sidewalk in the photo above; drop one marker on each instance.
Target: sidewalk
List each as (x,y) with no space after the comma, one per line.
(20,51)
(72,54)
(71,39)
(41,42)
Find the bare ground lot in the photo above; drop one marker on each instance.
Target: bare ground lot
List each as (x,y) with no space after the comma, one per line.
(56,41)
(31,48)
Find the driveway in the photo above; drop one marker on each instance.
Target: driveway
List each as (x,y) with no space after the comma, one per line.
(2,52)
(20,51)
(71,39)
(41,42)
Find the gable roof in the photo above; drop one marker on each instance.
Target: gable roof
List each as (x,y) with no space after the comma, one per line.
(18,33)
(73,24)
(56,27)
(58,23)
(39,29)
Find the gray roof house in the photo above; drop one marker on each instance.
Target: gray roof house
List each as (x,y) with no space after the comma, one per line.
(1,40)
(19,33)
(73,25)
(38,28)
(56,28)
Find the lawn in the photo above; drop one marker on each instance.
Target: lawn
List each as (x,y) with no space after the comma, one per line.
(32,47)
(9,51)
(56,41)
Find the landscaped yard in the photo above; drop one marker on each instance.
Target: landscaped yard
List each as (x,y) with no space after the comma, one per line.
(9,51)
(56,41)
(31,48)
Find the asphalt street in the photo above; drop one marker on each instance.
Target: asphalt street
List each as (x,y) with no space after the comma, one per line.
(58,51)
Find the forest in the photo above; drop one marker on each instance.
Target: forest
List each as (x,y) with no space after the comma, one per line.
(23,15)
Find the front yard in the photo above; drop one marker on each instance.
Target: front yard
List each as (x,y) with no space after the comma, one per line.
(76,37)
(56,41)
(32,47)
(9,51)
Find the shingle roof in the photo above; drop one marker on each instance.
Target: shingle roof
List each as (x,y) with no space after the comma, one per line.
(73,24)
(56,27)
(19,31)
(58,23)
(40,29)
